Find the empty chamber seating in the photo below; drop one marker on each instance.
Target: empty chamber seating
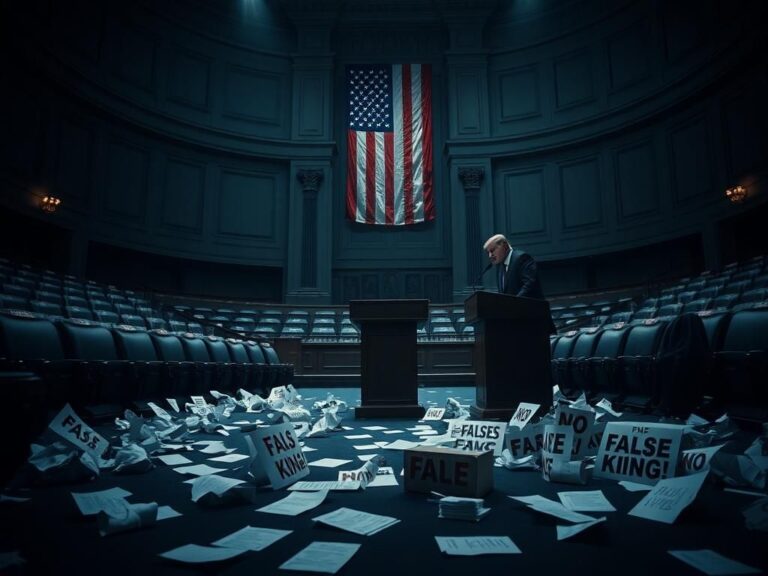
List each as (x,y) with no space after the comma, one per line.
(637,364)
(741,367)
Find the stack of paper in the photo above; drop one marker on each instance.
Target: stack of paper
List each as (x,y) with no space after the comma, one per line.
(456,508)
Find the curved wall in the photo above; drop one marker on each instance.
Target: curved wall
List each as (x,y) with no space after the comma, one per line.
(214,130)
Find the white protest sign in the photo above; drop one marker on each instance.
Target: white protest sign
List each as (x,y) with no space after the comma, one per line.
(582,422)
(558,445)
(525,442)
(525,411)
(69,426)
(279,453)
(199,401)
(478,435)
(434,414)
(641,451)
(697,459)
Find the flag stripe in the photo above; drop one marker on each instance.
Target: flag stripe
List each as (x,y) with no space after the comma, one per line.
(389,171)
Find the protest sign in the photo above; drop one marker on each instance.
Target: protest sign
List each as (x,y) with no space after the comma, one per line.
(278,454)
(525,411)
(582,422)
(434,414)
(525,442)
(644,452)
(478,435)
(558,445)
(69,426)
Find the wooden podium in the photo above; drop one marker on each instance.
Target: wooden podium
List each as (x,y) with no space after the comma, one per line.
(388,366)
(512,353)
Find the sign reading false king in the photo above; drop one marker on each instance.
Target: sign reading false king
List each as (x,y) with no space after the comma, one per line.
(643,452)
(276,455)
(558,445)
(69,426)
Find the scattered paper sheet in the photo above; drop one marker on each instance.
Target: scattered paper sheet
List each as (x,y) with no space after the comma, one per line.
(366,457)
(212,446)
(546,506)
(357,521)
(668,498)
(252,538)
(131,517)
(586,501)
(366,447)
(630,486)
(476,545)
(712,563)
(309,486)
(325,557)
(385,476)
(229,458)
(91,503)
(295,503)
(329,462)
(374,428)
(218,485)
(565,532)
(194,554)
(393,432)
(166,512)
(401,445)
(198,470)
(173,459)
(357,436)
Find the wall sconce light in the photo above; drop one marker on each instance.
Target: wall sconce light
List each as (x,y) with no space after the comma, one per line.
(49,203)
(737,194)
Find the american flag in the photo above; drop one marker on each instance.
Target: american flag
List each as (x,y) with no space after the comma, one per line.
(389,144)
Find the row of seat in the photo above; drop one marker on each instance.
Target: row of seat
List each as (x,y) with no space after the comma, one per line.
(89,364)
(670,365)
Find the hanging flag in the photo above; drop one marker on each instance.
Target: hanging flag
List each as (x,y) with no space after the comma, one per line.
(389,144)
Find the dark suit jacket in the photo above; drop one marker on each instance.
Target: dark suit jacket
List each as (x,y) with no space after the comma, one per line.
(522,279)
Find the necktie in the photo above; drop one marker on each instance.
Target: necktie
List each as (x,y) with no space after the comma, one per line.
(501,278)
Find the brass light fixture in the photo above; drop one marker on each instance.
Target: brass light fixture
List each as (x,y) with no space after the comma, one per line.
(49,203)
(737,194)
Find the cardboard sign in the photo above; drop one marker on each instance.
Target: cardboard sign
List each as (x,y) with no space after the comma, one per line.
(582,422)
(434,414)
(449,471)
(278,453)
(525,411)
(558,445)
(525,442)
(644,452)
(69,426)
(478,435)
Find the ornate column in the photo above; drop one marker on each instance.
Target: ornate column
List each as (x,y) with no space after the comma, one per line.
(308,275)
(471,177)
(310,181)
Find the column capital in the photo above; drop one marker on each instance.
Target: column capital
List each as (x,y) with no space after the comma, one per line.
(310,179)
(471,177)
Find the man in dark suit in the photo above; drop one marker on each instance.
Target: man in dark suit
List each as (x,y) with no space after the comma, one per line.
(515,270)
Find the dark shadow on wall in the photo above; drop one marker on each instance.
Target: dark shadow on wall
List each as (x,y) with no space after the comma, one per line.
(744,236)
(143,271)
(647,265)
(38,243)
